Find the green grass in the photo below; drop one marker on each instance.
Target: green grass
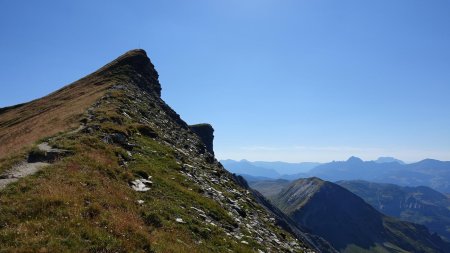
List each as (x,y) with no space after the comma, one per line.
(83,203)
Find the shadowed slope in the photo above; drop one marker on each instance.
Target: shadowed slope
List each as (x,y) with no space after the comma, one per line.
(350,224)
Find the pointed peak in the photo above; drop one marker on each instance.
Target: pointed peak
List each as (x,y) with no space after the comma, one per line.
(136,62)
(134,56)
(354,159)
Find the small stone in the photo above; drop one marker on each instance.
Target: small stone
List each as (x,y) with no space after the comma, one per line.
(141,185)
(140,202)
(179,220)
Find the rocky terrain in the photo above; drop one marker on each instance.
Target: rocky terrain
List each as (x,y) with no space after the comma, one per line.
(136,178)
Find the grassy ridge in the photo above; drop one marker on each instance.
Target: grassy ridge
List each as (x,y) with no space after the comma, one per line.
(84,203)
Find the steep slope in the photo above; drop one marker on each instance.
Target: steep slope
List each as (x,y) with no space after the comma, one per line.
(420,205)
(287,223)
(135,178)
(24,124)
(350,224)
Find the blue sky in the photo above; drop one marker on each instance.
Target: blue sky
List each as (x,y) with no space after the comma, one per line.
(290,80)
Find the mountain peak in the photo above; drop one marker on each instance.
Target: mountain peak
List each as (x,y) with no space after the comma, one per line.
(134,64)
(388,159)
(354,159)
(133,160)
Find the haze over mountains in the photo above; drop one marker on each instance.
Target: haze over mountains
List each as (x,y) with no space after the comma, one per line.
(335,213)
(267,169)
(428,172)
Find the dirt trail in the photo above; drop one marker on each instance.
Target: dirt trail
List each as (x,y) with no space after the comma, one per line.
(21,170)
(27,168)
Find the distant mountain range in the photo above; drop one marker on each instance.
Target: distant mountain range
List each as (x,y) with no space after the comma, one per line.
(388,160)
(350,224)
(267,169)
(421,204)
(428,172)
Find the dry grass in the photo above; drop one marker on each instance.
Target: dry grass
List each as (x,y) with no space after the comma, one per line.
(60,111)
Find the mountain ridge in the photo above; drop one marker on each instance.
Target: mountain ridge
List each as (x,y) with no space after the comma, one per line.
(136,178)
(428,172)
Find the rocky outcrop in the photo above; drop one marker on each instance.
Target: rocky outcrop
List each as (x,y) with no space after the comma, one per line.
(135,61)
(206,134)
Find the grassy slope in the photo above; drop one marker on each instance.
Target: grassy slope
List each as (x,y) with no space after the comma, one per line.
(22,125)
(84,203)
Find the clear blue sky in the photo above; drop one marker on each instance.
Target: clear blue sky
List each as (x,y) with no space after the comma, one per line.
(291,80)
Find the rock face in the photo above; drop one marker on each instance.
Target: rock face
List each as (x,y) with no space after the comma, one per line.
(206,134)
(136,61)
(348,223)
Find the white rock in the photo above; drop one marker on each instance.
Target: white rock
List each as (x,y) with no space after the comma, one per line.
(141,185)
(140,201)
(179,220)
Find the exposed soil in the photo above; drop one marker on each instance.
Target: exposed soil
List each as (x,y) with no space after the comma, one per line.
(32,165)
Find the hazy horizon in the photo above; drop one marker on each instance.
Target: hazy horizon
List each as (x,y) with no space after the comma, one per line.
(327,161)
